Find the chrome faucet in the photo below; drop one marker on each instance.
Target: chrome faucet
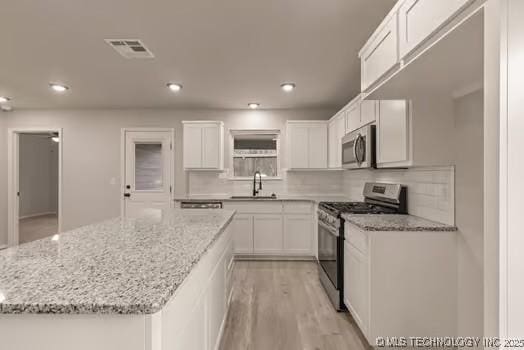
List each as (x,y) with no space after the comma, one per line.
(255,191)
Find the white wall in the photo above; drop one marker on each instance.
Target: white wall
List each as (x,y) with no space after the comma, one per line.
(38,162)
(3,178)
(495,124)
(469,212)
(91,149)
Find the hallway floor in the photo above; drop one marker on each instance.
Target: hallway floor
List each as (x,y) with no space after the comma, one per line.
(281,305)
(37,227)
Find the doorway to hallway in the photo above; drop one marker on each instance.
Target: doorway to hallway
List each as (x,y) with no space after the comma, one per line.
(34,184)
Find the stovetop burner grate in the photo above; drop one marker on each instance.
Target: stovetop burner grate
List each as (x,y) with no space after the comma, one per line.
(338,208)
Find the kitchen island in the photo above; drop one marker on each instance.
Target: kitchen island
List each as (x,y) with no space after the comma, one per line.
(161,281)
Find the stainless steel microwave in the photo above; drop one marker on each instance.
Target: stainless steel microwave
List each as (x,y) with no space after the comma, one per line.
(358,148)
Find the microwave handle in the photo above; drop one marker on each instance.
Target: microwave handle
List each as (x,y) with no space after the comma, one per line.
(357,143)
(355,149)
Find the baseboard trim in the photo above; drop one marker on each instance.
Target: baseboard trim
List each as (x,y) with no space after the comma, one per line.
(36,215)
(248,257)
(3,246)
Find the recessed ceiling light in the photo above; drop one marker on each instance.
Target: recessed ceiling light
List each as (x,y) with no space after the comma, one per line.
(6,108)
(288,87)
(174,87)
(253,105)
(58,87)
(4,99)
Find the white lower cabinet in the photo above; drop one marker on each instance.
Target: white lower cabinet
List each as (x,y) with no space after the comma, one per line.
(267,232)
(278,228)
(356,285)
(397,284)
(242,226)
(298,229)
(216,303)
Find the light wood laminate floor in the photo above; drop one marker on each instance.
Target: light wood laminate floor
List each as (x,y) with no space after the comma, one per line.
(37,227)
(280,305)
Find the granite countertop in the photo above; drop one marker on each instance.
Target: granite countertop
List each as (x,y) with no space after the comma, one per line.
(283,197)
(119,266)
(392,222)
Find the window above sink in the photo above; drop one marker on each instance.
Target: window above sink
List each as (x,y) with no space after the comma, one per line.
(254,150)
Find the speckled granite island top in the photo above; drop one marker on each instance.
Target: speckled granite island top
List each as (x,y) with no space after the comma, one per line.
(120,266)
(391,222)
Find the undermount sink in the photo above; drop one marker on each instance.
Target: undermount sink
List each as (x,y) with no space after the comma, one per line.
(253,197)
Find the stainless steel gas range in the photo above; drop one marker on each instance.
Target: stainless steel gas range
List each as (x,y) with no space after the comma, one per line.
(379,198)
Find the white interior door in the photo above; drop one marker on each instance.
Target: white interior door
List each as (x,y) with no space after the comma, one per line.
(148,177)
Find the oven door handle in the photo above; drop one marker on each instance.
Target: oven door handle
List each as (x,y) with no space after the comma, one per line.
(331,230)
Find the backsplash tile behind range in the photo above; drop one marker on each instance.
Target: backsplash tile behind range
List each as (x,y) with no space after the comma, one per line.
(292,183)
(430,189)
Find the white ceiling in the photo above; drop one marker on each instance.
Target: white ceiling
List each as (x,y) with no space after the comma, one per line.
(226,53)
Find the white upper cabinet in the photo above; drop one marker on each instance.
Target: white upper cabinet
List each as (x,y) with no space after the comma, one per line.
(414,134)
(318,146)
(192,146)
(359,113)
(380,53)
(203,145)
(353,118)
(393,134)
(336,131)
(368,112)
(298,146)
(307,144)
(409,26)
(419,19)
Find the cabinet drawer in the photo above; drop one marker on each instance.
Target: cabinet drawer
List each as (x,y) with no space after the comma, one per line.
(381,54)
(356,237)
(297,207)
(254,207)
(419,19)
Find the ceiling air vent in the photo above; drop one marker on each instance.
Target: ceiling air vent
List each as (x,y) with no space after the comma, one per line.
(130,48)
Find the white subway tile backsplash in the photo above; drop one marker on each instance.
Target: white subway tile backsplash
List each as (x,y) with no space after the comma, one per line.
(292,183)
(430,189)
